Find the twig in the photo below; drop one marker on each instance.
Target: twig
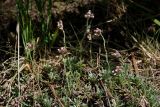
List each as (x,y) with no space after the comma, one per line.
(55,95)
(107,93)
(134,64)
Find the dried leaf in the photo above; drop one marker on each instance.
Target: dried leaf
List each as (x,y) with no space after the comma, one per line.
(143,102)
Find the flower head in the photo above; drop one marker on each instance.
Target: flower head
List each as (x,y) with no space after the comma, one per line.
(89,15)
(60,25)
(116,54)
(117,70)
(62,50)
(97,32)
(89,36)
(29,46)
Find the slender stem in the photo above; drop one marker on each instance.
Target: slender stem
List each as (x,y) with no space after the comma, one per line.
(104,45)
(87,27)
(64,38)
(18,34)
(91,52)
(82,40)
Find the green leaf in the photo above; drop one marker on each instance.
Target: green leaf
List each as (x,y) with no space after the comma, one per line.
(156,21)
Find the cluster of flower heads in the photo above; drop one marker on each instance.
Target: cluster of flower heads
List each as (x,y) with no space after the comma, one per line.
(90,34)
(96,32)
(63,50)
(117,70)
(89,15)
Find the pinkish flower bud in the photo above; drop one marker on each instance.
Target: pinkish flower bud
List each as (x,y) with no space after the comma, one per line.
(97,32)
(116,54)
(117,70)
(63,50)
